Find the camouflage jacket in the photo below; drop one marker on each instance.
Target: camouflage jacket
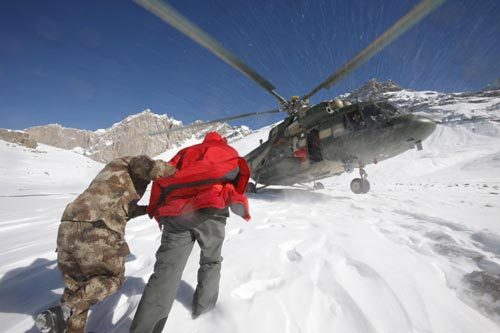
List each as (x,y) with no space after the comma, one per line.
(112,197)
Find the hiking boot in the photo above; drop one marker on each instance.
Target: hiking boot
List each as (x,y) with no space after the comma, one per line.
(198,311)
(51,321)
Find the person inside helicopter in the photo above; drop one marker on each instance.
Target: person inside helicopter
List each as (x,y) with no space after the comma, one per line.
(355,121)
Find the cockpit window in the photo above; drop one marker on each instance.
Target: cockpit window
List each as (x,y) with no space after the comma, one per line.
(354,121)
(389,109)
(375,114)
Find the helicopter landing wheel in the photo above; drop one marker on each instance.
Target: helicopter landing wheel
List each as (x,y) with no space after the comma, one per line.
(357,185)
(360,185)
(318,186)
(251,188)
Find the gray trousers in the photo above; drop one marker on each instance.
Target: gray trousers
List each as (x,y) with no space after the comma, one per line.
(177,242)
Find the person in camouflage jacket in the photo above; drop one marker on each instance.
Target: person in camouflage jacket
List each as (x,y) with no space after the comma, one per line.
(91,247)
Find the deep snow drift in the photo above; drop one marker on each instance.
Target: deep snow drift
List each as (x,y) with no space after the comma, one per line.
(397,259)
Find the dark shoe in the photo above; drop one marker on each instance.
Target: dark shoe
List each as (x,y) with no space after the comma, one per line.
(198,311)
(51,321)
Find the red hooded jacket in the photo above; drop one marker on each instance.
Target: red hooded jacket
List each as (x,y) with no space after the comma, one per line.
(209,175)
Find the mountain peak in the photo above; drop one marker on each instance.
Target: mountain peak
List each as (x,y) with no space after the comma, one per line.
(148,114)
(129,136)
(384,86)
(373,89)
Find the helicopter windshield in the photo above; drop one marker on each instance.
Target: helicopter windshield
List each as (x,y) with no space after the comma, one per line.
(389,109)
(375,114)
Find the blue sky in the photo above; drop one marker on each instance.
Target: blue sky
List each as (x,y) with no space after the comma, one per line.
(88,64)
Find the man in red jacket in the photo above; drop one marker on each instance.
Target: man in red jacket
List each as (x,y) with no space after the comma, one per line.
(192,206)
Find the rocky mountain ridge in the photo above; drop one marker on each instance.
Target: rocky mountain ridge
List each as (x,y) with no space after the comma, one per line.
(18,137)
(127,137)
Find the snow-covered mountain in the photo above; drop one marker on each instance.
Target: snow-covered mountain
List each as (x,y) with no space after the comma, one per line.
(442,107)
(127,137)
(419,253)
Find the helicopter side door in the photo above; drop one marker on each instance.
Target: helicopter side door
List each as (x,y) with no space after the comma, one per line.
(313,146)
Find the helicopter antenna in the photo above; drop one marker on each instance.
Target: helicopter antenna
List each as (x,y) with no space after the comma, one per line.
(401,26)
(169,15)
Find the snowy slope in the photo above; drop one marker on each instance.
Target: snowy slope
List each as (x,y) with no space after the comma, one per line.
(448,107)
(394,260)
(47,169)
(443,107)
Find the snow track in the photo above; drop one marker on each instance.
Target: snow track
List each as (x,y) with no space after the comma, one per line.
(398,259)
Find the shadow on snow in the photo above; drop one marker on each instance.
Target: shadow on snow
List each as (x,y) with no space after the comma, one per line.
(296,194)
(31,289)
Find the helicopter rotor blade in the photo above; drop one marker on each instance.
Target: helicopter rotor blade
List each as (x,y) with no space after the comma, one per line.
(169,15)
(204,123)
(401,26)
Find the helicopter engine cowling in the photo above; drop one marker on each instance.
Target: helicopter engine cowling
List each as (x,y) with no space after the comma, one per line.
(338,103)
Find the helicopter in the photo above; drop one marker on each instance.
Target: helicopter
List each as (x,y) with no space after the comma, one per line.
(326,139)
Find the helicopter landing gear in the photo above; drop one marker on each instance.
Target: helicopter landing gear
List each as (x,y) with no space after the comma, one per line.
(251,188)
(360,185)
(318,186)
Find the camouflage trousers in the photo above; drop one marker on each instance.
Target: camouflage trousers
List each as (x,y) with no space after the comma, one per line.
(91,259)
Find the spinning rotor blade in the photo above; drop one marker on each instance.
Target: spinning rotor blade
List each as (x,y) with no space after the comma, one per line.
(169,15)
(400,27)
(215,121)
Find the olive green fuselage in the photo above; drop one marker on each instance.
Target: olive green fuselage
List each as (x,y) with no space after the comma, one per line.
(321,142)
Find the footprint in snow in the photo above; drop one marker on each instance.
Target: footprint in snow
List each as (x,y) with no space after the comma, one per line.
(232,233)
(235,231)
(290,251)
(248,290)
(353,206)
(271,225)
(294,255)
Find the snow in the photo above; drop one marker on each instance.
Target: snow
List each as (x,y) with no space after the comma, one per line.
(13,131)
(476,109)
(25,171)
(393,260)
(130,118)
(78,150)
(100,131)
(455,105)
(412,95)
(108,142)
(175,122)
